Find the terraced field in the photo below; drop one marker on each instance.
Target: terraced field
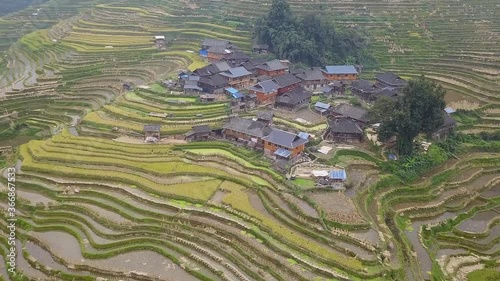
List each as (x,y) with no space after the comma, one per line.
(91,207)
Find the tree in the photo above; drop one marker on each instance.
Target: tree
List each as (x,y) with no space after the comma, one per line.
(420,110)
(311,39)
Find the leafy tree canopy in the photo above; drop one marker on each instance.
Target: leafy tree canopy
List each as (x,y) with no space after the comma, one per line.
(420,110)
(311,39)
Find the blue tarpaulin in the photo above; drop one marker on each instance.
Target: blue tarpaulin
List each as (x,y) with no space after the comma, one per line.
(234,93)
(285,153)
(303,135)
(338,175)
(204,53)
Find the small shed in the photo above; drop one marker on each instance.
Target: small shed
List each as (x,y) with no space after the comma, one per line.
(337,175)
(152,133)
(207,98)
(282,153)
(198,132)
(322,107)
(265,117)
(449,110)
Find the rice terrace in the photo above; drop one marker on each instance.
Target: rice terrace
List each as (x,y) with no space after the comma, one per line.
(250,140)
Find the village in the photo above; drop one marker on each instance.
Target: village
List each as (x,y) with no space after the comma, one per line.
(261,90)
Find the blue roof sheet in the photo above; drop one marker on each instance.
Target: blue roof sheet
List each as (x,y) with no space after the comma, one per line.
(337,175)
(322,105)
(204,53)
(303,135)
(449,110)
(237,95)
(283,152)
(341,69)
(232,90)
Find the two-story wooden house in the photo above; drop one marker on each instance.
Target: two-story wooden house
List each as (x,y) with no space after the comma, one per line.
(313,79)
(238,77)
(271,68)
(265,91)
(286,83)
(340,72)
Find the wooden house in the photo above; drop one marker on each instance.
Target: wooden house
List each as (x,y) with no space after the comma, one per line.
(312,79)
(271,68)
(357,114)
(340,72)
(286,83)
(152,133)
(344,130)
(237,77)
(198,132)
(293,100)
(265,91)
(260,48)
(390,79)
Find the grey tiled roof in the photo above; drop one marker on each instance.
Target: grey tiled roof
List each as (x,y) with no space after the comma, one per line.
(236,72)
(344,125)
(311,75)
(265,86)
(210,42)
(391,78)
(265,115)
(353,112)
(294,97)
(285,139)
(248,127)
(286,80)
(201,129)
(272,65)
(152,128)
(362,85)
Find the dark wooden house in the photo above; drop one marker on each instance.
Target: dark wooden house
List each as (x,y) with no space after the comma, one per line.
(152,133)
(198,132)
(344,130)
(293,100)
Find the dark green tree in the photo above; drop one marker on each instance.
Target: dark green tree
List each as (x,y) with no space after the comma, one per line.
(420,110)
(311,39)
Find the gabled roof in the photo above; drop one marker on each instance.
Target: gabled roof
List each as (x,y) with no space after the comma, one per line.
(344,125)
(362,85)
(236,72)
(389,92)
(294,97)
(232,90)
(252,63)
(392,79)
(312,74)
(266,115)
(152,128)
(353,112)
(248,127)
(340,69)
(286,80)
(285,139)
(303,135)
(322,105)
(219,50)
(216,80)
(265,87)
(448,121)
(209,42)
(201,129)
(221,66)
(238,55)
(272,65)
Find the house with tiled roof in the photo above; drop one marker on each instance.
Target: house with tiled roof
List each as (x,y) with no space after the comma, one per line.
(238,77)
(357,114)
(340,72)
(293,100)
(271,68)
(344,130)
(390,79)
(312,79)
(213,84)
(286,82)
(265,91)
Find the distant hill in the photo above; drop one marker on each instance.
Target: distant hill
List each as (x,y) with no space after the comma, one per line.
(9,6)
